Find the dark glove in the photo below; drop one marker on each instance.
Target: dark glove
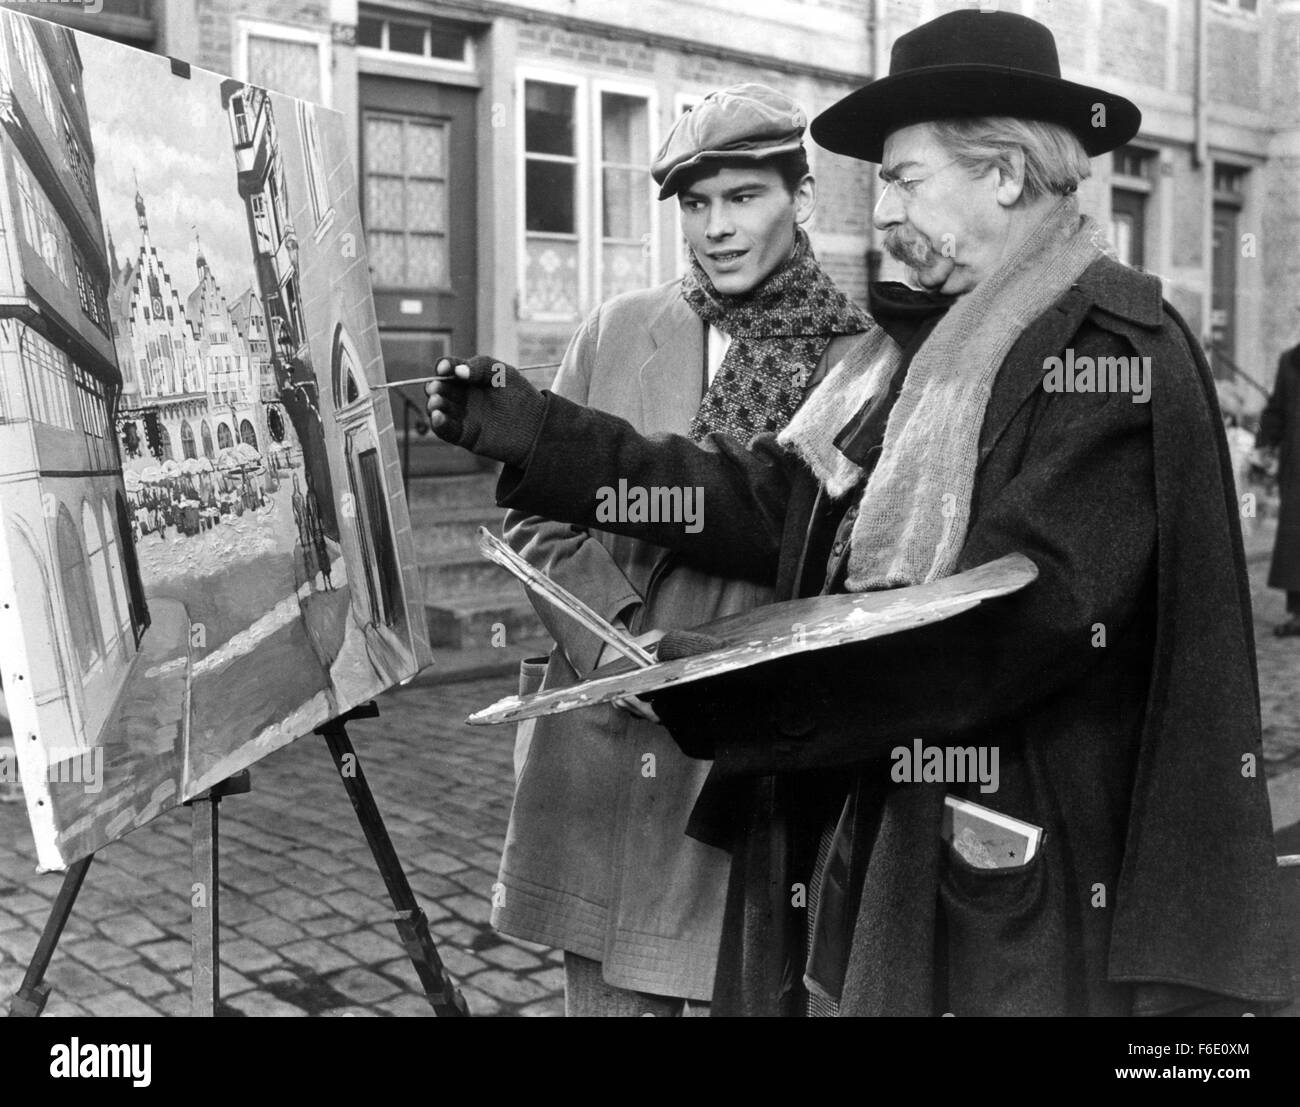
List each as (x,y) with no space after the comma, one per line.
(486,406)
(692,712)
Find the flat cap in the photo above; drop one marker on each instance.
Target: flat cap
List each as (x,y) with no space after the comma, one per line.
(749,121)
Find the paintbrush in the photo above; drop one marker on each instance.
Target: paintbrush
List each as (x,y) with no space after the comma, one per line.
(499,553)
(425,380)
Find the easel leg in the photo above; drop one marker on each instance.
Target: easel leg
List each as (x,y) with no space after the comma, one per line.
(205,894)
(29,1000)
(205,986)
(412,926)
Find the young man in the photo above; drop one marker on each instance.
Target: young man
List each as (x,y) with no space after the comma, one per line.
(596,860)
(1119,688)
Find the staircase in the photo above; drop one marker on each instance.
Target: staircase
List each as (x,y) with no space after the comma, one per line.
(470,604)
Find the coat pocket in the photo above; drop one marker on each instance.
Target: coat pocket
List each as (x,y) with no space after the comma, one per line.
(532,670)
(1003,942)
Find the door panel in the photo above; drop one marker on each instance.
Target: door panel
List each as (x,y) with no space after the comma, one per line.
(418,186)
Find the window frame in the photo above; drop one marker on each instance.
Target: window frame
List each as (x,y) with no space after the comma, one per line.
(650,248)
(469,58)
(582,201)
(246,29)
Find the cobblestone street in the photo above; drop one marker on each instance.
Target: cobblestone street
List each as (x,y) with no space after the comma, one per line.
(305,919)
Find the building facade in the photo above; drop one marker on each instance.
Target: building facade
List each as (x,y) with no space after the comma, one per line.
(68,538)
(502,147)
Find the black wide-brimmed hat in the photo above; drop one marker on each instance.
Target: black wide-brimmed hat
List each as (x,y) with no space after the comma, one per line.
(972,63)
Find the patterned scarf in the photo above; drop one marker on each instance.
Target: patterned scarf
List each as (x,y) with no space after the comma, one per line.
(779,331)
(912,521)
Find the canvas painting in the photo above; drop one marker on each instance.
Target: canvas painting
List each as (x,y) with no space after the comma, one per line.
(205,550)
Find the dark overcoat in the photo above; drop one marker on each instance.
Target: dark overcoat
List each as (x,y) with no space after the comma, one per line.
(1279,425)
(1120,689)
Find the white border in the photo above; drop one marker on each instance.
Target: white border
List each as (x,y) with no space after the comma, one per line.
(244,28)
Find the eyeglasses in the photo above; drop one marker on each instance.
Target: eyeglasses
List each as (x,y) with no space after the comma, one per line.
(908,185)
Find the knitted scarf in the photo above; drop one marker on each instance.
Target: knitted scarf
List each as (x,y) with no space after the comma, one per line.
(912,521)
(779,331)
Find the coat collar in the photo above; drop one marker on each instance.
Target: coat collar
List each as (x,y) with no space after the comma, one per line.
(672,377)
(1105,288)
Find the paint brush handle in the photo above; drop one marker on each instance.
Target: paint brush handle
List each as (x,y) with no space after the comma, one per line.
(499,553)
(425,380)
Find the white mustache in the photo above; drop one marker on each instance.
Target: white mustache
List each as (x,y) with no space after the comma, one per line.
(912,249)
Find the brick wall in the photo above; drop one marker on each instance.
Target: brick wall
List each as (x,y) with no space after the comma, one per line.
(1132,36)
(537,41)
(1234,65)
(217,25)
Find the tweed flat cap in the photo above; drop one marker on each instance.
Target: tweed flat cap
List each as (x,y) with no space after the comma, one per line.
(749,121)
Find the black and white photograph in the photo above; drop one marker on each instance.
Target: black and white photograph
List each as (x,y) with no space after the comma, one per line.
(776,508)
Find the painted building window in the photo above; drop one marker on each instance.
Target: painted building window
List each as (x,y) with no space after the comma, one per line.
(85,631)
(48,374)
(97,556)
(314,162)
(406,201)
(165,438)
(589,208)
(78,163)
(187,439)
(88,293)
(33,63)
(116,569)
(224,438)
(247,434)
(41,225)
(205,436)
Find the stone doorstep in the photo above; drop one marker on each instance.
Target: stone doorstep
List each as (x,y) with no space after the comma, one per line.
(462,621)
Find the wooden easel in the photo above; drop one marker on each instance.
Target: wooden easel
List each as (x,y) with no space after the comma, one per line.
(412,926)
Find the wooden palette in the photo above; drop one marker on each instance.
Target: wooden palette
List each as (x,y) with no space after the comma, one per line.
(779,630)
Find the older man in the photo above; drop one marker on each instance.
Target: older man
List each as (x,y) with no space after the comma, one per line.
(1119,689)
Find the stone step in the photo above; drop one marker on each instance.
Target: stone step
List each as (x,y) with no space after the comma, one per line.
(463,574)
(430,456)
(458,490)
(443,533)
(462,622)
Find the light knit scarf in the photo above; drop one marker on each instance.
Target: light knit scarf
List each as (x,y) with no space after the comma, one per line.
(779,331)
(915,509)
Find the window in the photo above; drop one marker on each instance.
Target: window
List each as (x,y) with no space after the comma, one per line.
(626,196)
(94,404)
(247,434)
(91,303)
(49,381)
(423,39)
(1133,173)
(97,555)
(165,438)
(224,438)
(85,632)
(76,157)
(33,63)
(41,226)
(575,147)
(1250,6)
(284,58)
(314,162)
(1229,183)
(205,436)
(406,201)
(116,570)
(187,439)
(1130,161)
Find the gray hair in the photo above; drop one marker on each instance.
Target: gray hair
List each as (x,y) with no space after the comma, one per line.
(1055,160)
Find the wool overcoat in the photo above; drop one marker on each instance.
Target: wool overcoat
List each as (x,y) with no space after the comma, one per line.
(1120,689)
(596,859)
